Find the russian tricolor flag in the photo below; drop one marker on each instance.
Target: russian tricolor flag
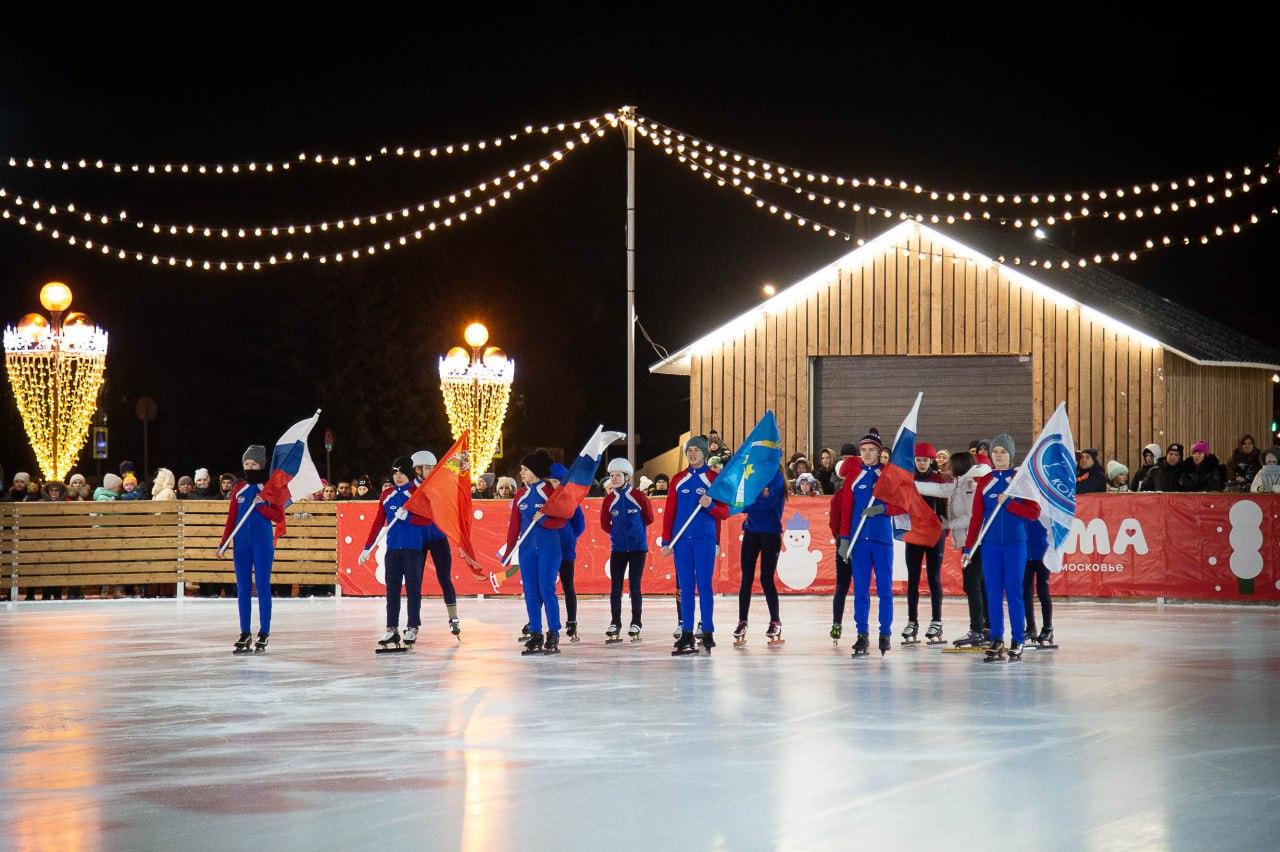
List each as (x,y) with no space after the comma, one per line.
(896,487)
(582,473)
(293,473)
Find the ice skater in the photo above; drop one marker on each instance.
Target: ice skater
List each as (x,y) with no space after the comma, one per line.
(691,509)
(847,470)
(625,514)
(958,493)
(1037,582)
(402,559)
(762,541)
(866,535)
(930,556)
(569,535)
(1004,547)
(539,552)
(436,546)
(249,528)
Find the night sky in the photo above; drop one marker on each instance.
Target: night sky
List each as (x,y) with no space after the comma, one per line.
(234,358)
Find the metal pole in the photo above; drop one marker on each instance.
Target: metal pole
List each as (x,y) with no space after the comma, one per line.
(629,132)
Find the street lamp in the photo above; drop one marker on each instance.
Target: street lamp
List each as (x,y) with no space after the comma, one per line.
(477,387)
(55,368)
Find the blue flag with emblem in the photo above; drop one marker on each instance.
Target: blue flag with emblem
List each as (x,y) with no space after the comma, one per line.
(740,481)
(1048,476)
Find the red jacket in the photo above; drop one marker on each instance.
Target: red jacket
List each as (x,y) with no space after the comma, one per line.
(719,511)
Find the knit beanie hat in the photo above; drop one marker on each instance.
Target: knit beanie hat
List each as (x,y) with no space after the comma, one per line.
(130,479)
(1201,446)
(404,465)
(559,472)
(201,472)
(1004,440)
(538,462)
(699,441)
(256,452)
(872,437)
(621,465)
(1115,468)
(925,450)
(185,480)
(1175,448)
(77,479)
(848,450)
(111,482)
(126,467)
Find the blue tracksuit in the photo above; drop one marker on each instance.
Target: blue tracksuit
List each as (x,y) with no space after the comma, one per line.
(695,551)
(253,554)
(765,514)
(871,553)
(403,558)
(540,557)
(1037,540)
(1004,556)
(569,535)
(626,522)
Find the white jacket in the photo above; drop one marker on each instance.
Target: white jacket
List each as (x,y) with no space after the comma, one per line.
(959,495)
(1267,481)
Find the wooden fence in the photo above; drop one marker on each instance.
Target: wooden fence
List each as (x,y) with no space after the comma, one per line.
(149,542)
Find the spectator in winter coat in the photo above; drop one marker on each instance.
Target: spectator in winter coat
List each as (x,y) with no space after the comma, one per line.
(204,486)
(1243,466)
(958,492)
(1167,475)
(1090,478)
(506,488)
(78,489)
(17,493)
(186,488)
(163,487)
(226,482)
(110,488)
(364,489)
(1203,472)
(131,490)
(53,492)
(1150,456)
(807,485)
(1268,479)
(943,461)
(1117,477)
(826,472)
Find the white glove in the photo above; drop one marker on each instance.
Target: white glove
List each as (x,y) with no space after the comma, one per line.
(364,556)
(402,514)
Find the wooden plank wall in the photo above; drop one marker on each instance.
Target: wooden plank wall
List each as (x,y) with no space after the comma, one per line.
(919,298)
(135,543)
(1218,404)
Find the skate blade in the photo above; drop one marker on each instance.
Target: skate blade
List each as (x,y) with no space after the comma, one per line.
(739,643)
(935,642)
(551,653)
(909,644)
(774,643)
(1043,647)
(965,649)
(613,641)
(241,652)
(575,640)
(857,654)
(402,649)
(689,652)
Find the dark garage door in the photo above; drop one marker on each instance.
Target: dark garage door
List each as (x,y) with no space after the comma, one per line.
(965,398)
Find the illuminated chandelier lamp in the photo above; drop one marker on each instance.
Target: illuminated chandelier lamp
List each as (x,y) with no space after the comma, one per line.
(477,387)
(55,366)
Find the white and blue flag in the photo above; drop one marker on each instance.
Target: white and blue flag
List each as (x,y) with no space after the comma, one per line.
(1048,476)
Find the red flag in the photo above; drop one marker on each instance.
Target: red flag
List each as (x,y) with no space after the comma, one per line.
(445,499)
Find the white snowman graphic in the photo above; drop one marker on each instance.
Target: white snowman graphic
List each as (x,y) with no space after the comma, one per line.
(797,564)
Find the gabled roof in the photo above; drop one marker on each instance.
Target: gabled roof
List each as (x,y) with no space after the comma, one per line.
(1128,307)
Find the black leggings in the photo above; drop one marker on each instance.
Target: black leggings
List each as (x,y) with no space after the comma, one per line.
(932,558)
(570,593)
(631,564)
(442,556)
(766,546)
(975,589)
(844,579)
(1037,575)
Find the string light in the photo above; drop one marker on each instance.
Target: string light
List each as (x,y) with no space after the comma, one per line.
(809,223)
(477,207)
(709,160)
(811,176)
(461,197)
(303,159)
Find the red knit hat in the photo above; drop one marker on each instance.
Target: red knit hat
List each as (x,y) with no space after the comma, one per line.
(925,450)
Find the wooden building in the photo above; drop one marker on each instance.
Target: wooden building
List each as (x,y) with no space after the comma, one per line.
(994,343)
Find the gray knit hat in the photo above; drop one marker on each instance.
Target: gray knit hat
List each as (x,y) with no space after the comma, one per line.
(257,453)
(1003,440)
(699,441)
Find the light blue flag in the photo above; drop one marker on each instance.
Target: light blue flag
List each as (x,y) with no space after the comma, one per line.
(1048,476)
(751,468)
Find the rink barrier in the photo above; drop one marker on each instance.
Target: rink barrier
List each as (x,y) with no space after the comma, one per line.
(150,542)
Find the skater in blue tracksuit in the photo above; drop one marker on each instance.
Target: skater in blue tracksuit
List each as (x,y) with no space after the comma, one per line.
(1004,547)
(625,514)
(1036,583)
(695,550)
(540,552)
(402,552)
(436,545)
(255,546)
(872,552)
(569,535)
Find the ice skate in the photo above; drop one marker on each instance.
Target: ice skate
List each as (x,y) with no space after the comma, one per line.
(410,636)
(1015,651)
(524,634)
(533,645)
(995,653)
(1043,642)
(708,641)
(740,635)
(634,633)
(886,642)
(571,630)
(911,636)
(933,636)
(390,642)
(244,645)
(553,643)
(260,647)
(861,645)
(613,635)
(684,646)
(455,627)
(836,631)
(773,636)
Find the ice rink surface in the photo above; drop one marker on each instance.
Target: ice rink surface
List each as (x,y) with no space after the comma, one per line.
(130,725)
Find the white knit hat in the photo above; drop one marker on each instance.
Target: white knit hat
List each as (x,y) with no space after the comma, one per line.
(201,472)
(621,465)
(423,458)
(111,482)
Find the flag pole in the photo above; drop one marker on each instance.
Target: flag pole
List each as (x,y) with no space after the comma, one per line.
(688,520)
(253,507)
(983,532)
(507,559)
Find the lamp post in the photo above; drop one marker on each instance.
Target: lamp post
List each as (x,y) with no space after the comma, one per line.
(477,387)
(55,368)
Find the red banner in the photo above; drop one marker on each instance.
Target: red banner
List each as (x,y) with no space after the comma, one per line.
(1211,547)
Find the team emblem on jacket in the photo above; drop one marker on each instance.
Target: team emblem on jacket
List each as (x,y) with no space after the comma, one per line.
(701,491)
(523,506)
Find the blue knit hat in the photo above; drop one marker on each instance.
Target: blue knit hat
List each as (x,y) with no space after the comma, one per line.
(559,472)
